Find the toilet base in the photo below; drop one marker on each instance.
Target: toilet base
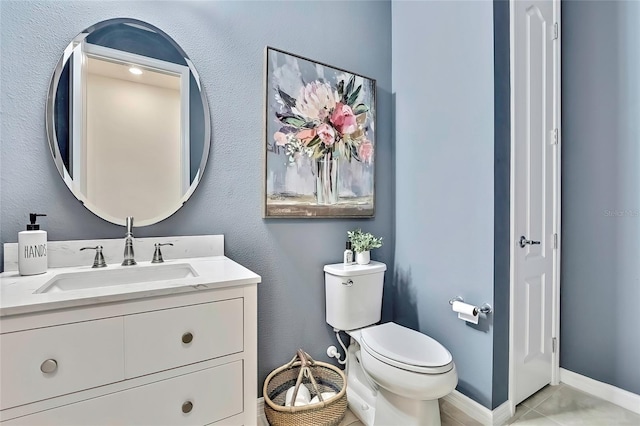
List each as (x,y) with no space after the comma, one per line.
(375,406)
(393,410)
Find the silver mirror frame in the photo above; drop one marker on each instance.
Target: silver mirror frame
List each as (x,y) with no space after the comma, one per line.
(53,141)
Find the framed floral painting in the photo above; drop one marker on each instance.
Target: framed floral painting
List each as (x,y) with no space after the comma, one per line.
(319,139)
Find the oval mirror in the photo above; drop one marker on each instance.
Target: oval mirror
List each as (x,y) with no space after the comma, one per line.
(128,122)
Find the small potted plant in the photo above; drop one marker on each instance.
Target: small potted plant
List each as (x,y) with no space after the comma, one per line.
(362,243)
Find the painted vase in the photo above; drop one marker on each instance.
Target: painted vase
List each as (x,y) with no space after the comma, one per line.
(327,180)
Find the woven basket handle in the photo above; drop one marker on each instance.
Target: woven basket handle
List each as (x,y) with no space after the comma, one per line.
(305,371)
(304,358)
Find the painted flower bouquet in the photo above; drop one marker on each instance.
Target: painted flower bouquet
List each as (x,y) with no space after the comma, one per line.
(324,123)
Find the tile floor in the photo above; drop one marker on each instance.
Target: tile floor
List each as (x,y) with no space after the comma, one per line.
(552,406)
(567,406)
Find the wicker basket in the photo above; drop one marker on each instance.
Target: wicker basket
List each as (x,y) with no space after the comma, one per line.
(320,377)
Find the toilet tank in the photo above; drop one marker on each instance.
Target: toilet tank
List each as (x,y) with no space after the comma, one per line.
(353,294)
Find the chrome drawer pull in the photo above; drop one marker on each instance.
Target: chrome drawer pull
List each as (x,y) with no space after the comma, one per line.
(49,366)
(187,407)
(187,337)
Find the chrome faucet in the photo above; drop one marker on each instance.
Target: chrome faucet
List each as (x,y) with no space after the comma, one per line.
(128,244)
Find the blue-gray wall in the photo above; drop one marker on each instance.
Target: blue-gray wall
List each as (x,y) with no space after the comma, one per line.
(443,209)
(225,41)
(443,84)
(600,285)
(501,203)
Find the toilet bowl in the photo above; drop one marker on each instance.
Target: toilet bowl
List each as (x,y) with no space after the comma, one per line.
(395,375)
(407,362)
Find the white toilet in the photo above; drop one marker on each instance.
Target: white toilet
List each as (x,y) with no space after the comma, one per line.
(395,375)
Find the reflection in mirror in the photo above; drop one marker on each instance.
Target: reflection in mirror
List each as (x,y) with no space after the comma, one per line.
(127,122)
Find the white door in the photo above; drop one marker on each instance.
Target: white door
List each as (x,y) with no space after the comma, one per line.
(535,118)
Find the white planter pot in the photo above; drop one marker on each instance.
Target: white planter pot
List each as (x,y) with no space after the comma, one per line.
(363,258)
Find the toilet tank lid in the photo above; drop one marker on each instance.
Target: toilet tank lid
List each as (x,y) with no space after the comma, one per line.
(342,270)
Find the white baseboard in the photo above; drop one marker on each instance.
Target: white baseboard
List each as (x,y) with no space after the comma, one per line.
(478,411)
(463,403)
(501,414)
(610,393)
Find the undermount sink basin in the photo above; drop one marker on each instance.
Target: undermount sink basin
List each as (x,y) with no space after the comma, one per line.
(113,277)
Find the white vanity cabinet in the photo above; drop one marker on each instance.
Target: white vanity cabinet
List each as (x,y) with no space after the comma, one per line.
(57,360)
(182,359)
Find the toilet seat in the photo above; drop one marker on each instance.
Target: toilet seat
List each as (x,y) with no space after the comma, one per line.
(407,349)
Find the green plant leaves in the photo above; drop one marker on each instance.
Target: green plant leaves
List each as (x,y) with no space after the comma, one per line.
(315,141)
(360,109)
(295,122)
(288,100)
(354,96)
(341,89)
(352,81)
(363,241)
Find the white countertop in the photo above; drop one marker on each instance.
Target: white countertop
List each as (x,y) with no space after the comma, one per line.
(17,293)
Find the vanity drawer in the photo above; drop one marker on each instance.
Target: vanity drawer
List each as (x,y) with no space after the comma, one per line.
(45,362)
(198,398)
(160,340)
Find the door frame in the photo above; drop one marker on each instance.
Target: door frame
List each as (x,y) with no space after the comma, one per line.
(109,54)
(555,313)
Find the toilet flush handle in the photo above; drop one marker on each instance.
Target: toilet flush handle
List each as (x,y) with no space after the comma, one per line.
(348,283)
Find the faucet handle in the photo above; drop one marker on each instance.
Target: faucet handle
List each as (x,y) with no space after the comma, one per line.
(157,254)
(98,261)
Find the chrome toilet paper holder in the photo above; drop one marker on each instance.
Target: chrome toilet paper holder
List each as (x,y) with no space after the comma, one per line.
(484,309)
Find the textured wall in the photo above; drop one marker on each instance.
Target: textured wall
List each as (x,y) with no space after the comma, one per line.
(226,42)
(443,84)
(600,283)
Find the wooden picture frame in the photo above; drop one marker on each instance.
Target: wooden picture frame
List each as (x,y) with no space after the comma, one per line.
(319,140)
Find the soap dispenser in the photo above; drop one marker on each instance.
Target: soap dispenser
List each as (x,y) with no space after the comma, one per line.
(32,248)
(348,255)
